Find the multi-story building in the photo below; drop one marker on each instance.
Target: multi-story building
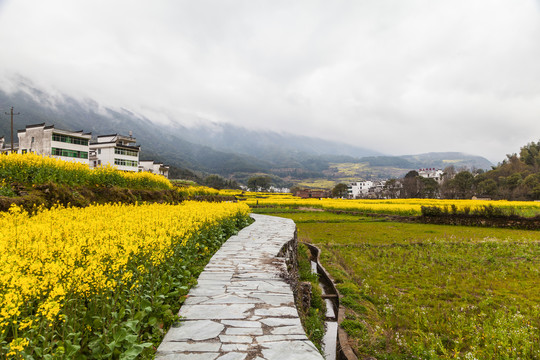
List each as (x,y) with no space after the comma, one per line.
(153,167)
(359,188)
(115,150)
(49,141)
(431,173)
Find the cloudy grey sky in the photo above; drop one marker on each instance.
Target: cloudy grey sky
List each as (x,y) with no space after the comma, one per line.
(397,76)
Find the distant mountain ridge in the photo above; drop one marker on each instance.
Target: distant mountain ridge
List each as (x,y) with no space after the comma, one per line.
(209,148)
(213,148)
(429,160)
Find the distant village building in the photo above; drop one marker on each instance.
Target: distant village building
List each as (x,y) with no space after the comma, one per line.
(115,150)
(376,189)
(431,173)
(358,189)
(154,168)
(61,144)
(311,193)
(282,190)
(6,148)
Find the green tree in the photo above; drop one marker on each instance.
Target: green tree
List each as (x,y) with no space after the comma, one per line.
(411,185)
(340,190)
(463,184)
(531,184)
(392,189)
(259,183)
(513,181)
(429,188)
(530,155)
(215,181)
(487,187)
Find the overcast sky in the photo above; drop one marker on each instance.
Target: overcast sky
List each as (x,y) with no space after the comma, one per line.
(400,77)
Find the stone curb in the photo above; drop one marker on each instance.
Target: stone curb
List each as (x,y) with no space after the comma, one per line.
(242,307)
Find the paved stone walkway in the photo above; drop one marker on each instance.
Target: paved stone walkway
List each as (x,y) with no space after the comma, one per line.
(242,309)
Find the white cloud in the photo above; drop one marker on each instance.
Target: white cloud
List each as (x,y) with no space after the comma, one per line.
(398,77)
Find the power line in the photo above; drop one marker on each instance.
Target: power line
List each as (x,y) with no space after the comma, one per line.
(12,114)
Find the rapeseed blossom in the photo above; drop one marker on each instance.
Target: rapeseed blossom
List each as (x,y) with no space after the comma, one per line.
(36,169)
(407,207)
(54,255)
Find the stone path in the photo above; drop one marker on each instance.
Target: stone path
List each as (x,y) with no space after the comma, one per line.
(242,308)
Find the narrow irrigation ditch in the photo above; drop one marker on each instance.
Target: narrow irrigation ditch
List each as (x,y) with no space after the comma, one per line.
(335,341)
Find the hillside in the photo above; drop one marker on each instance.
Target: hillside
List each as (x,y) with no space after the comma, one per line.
(386,167)
(217,148)
(230,150)
(157,142)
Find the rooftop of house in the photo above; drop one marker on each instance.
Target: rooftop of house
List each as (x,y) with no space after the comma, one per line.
(80,133)
(117,138)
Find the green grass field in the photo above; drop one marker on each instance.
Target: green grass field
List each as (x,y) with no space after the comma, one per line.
(417,291)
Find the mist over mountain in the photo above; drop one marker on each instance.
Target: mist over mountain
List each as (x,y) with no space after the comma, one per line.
(208,147)
(263,144)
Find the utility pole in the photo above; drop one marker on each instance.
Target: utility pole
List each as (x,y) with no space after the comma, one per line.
(12,113)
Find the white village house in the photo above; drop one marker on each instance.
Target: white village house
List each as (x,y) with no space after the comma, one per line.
(49,141)
(6,148)
(432,173)
(115,150)
(154,167)
(359,188)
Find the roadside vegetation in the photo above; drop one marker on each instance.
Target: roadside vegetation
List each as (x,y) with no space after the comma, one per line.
(419,291)
(31,180)
(94,264)
(313,317)
(105,281)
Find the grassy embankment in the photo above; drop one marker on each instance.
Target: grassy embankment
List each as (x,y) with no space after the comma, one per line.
(28,180)
(312,318)
(417,291)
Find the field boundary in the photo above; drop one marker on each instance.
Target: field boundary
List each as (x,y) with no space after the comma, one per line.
(498,221)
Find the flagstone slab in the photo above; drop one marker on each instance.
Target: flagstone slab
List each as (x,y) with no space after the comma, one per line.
(242,308)
(195,331)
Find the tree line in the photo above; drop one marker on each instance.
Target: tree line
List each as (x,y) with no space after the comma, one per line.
(516,178)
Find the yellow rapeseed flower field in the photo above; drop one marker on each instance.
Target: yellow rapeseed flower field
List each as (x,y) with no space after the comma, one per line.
(36,169)
(52,256)
(407,207)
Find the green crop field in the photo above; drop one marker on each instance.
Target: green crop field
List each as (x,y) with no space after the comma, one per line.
(417,291)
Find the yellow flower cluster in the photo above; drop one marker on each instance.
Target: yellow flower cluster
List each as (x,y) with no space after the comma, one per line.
(61,253)
(390,206)
(190,191)
(36,169)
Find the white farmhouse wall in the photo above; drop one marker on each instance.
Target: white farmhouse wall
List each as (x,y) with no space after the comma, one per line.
(431,173)
(356,189)
(40,139)
(116,151)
